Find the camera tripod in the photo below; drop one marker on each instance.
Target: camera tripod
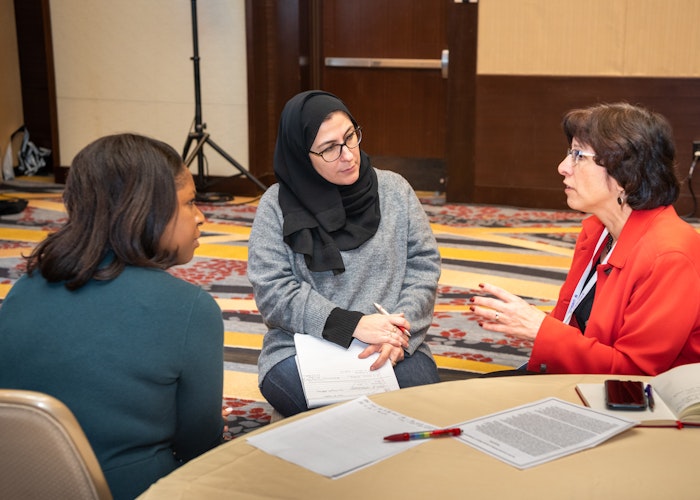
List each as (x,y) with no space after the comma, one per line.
(197,135)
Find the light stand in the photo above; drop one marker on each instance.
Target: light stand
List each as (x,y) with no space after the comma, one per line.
(696,157)
(198,136)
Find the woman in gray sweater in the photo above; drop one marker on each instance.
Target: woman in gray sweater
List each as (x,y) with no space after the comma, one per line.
(330,239)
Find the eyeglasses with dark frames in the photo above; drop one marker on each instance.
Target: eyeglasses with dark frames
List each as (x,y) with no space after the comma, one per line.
(333,152)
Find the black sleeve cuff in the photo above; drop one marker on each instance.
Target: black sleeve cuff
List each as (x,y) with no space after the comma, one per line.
(340,326)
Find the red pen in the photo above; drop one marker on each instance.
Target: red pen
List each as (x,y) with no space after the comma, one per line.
(383,311)
(408,436)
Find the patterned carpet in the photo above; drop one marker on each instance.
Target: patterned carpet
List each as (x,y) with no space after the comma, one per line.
(526,251)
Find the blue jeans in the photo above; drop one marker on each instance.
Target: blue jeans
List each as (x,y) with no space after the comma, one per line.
(282,384)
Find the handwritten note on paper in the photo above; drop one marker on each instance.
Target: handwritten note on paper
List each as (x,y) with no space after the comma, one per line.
(340,440)
(538,432)
(331,374)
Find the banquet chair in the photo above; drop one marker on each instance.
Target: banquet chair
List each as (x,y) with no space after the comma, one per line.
(44,452)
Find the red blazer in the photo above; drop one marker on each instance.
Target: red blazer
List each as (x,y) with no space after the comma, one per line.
(646,312)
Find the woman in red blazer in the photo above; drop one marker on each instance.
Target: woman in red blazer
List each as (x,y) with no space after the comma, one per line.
(631,301)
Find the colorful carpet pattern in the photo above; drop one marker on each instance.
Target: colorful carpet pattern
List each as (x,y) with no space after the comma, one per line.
(245,415)
(526,251)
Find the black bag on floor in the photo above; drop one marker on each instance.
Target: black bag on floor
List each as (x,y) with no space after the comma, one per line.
(30,157)
(9,206)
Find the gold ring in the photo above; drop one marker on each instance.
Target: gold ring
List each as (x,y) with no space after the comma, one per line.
(496,317)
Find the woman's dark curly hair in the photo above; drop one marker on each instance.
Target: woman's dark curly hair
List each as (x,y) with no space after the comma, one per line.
(634,145)
(120,194)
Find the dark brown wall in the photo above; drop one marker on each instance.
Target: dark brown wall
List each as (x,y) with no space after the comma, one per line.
(461,97)
(519,141)
(274,48)
(34,43)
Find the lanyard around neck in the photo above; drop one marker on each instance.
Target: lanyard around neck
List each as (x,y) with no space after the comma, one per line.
(584,286)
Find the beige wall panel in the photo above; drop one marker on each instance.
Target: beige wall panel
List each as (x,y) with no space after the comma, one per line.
(663,38)
(90,119)
(655,38)
(545,37)
(126,66)
(11,116)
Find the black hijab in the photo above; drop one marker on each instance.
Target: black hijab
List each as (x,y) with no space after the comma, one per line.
(320,218)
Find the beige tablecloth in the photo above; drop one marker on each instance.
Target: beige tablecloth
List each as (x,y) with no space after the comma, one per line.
(642,463)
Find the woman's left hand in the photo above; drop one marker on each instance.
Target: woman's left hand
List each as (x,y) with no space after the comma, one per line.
(387,352)
(379,329)
(507,313)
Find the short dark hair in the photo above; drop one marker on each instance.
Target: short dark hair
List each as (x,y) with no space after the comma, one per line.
(634,145)
(120,194)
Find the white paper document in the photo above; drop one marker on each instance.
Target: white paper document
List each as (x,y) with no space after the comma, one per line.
(538,432)
(331,374)
(340,440)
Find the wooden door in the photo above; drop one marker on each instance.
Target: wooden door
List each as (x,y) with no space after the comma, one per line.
(415,121)
(385,60)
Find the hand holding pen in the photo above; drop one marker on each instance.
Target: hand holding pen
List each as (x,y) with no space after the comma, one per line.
(377,330)
(383,311)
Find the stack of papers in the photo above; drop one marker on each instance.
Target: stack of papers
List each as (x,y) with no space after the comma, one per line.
(340,440)
(331,374)
(350,436)
(542,431)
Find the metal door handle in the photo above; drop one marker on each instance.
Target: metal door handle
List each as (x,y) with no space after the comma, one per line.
(369,62)
(445,63)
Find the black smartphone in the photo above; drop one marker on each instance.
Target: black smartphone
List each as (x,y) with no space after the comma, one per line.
(625,395)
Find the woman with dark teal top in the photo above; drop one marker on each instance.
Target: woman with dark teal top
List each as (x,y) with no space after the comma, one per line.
(99,323)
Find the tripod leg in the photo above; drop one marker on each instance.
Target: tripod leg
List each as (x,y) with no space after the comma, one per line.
(199,135)
(186,149)
(235,163)
(199,138)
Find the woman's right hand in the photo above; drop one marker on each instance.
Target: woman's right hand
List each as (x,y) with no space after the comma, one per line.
(379,329)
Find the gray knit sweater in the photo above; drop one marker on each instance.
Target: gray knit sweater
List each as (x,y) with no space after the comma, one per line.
(398,267)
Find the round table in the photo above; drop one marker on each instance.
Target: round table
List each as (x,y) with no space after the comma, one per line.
(638,464)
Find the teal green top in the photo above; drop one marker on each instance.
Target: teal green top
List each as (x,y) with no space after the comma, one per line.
(138,360)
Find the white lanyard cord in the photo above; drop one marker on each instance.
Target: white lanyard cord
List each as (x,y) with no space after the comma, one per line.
(584,287)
